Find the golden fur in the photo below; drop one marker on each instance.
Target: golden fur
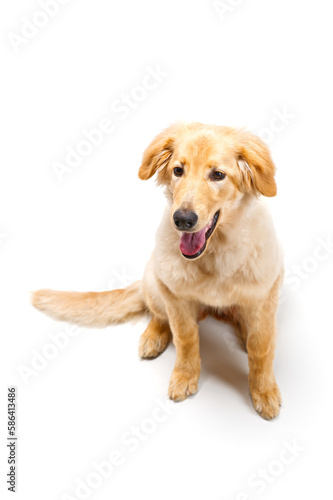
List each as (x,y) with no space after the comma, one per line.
(237,276)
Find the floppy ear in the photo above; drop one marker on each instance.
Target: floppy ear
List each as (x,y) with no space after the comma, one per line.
(158,154)
(257,166)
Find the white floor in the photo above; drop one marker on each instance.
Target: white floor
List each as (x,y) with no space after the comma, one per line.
(93,420)
(96,401)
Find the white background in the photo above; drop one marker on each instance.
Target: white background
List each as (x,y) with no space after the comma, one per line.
(96,228)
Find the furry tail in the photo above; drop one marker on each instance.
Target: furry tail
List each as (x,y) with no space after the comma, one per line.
(95,309)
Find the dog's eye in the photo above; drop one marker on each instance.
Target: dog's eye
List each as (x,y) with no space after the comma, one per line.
(218,176)
(178,171)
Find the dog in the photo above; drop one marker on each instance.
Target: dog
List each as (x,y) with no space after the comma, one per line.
(216,254)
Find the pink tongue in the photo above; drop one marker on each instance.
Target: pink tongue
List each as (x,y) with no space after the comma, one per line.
(190,243)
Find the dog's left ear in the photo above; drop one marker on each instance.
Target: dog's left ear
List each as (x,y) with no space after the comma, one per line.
(257,166)
(158,154)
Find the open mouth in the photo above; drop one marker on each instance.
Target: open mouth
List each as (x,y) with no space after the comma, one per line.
(194,244)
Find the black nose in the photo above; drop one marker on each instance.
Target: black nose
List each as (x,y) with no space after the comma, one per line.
(185,219)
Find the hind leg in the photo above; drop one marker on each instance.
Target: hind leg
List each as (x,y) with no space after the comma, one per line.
(155,339)
(157,334)
(233,316)
(240,326)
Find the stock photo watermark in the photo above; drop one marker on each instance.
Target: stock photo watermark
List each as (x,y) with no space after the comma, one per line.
(42,357)
(300,273)
(31,27)
(130,440)
(225,7)
(3,237)
(280,120)
(12,438)
(258,482)
(121,108)
(120,279)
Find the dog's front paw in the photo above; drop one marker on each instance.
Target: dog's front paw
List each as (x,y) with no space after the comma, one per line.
(182,385)
(153,341)
(151,347)
(267,403)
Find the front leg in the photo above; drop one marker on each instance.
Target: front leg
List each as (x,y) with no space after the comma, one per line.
(261,333)
(183,322)
(185,375)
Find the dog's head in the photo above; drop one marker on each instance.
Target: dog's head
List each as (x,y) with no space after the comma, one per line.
(208,170)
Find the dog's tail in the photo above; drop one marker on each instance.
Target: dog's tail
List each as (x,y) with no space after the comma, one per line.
(95,309)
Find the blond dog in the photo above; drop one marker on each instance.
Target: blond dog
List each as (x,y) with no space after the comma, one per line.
(216,253)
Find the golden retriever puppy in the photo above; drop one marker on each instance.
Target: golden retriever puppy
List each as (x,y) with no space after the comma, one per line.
(216,253)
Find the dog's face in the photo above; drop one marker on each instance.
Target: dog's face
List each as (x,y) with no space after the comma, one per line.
(208,170)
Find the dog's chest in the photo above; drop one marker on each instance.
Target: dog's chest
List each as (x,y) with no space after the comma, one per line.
(210,285)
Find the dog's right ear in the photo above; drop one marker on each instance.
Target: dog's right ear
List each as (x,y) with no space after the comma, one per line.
(158,154)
